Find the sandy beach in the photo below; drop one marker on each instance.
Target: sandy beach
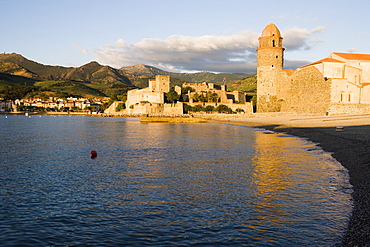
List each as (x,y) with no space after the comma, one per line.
(350,147)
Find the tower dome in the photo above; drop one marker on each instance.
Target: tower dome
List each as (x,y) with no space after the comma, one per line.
(271,30)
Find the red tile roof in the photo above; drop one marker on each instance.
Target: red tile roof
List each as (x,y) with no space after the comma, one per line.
(326,60)
(353,56)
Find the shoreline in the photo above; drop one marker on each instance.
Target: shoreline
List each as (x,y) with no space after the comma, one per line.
(350,147)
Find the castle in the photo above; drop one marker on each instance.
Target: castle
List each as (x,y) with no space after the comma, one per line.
(333,85)
(151,100)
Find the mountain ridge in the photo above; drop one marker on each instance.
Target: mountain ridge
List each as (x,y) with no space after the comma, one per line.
(82,73)
(103,78)
(122,75)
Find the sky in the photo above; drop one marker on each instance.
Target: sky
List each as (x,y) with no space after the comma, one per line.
(180,35)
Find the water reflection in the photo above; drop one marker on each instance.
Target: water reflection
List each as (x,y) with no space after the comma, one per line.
(165,184)
(293,183)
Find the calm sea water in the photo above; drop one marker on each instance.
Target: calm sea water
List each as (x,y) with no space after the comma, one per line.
(165,184)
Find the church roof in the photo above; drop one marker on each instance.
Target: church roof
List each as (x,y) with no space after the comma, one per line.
(325,60)
(271,30)
(353,56)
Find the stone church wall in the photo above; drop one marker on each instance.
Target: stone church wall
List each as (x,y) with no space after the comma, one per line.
(339,108)
(308,92)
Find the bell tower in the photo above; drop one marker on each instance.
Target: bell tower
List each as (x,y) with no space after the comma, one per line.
(270,59)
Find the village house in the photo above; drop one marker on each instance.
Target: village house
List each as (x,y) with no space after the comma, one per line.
(5,105)
(59,104)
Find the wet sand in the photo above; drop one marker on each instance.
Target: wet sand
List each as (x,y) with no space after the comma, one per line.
(351,147)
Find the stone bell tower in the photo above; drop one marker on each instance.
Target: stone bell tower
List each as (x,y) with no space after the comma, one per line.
(270,58)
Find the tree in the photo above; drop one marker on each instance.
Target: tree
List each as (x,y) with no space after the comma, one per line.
(124,97)
(75,108)
(112,98)
(196,97)
(187,108)
(212,97)
(209,108)
(16,92)
(90,108)
(186,89)
(223,109)
(120,107)
(202,98)
(172,96)
(197,108)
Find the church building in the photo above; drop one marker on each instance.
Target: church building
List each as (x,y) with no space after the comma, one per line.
(337,84)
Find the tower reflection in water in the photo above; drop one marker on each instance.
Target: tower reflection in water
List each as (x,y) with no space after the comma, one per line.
(293,185)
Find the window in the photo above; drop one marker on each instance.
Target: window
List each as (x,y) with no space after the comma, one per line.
(350,97)
(273,43)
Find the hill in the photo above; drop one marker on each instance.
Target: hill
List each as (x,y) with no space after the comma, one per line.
(92,72)
(140,71)
(40,70)
(89,80)
(94,79)
(246,85)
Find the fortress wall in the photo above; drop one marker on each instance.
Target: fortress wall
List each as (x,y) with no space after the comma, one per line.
(157,109)
(173,109)
(136,96)
(308,93)
(336,109)
(366,95)
(247,106)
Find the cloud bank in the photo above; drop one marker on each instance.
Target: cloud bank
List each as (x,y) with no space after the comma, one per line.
(233,54)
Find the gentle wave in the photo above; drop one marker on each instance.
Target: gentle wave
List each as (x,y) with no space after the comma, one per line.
(165,184)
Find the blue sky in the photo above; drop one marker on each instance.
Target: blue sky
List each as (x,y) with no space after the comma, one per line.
(180,35)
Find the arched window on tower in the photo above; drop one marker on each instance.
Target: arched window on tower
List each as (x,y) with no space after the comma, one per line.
(273,43)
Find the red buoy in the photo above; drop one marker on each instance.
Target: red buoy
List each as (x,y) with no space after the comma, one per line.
(93,153)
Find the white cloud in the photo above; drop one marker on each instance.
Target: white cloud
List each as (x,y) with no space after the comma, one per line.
(233,53)
(81,48)
(319,29)
(299,38)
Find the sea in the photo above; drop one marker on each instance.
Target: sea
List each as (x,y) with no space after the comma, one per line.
(165,184)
